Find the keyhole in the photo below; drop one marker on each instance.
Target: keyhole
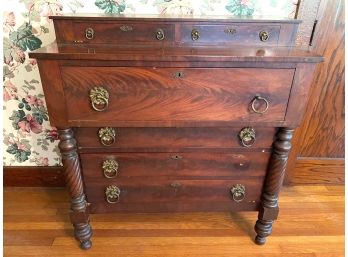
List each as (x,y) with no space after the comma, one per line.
(179,74)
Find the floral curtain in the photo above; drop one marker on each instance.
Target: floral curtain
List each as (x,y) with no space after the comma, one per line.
(28,138)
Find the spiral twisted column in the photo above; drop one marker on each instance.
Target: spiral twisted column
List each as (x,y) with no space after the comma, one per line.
(274,180)
(72,170)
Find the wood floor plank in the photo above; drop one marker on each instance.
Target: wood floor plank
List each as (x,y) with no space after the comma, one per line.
(36,224)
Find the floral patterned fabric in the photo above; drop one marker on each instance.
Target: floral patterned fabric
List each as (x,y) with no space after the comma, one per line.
(28,138)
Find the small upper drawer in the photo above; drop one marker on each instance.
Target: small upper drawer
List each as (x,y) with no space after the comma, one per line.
(249,34)
(114,95)
(126,32)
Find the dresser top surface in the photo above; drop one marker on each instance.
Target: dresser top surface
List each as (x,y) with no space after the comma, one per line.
(174,53)
(178,18)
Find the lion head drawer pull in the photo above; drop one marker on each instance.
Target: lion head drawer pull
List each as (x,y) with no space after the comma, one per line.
(160,34)
(258,99)
(107,136)
(247,136)
(112,194)
(110,168)
(195,34)
(238,192)
(263,36)
(89,33)
(99,98)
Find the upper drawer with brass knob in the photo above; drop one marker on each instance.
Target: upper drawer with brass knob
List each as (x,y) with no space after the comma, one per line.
(118,32)
(131,96)
(237,34)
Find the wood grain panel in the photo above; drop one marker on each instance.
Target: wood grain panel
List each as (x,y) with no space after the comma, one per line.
(322,132)
(27,176)
(317,171)
(169,165)
(173,139)
(153,94)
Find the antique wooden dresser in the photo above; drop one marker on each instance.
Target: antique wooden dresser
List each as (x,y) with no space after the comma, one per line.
(165,114)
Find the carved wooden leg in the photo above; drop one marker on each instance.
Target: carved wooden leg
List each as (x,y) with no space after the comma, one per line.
(79,213)
(274,180)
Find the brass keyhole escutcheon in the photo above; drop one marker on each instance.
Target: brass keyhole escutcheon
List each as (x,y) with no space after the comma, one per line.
(195,34)
(110,168)
(247,136)
(238,192)
(179,74)
(263,36)
(89,33)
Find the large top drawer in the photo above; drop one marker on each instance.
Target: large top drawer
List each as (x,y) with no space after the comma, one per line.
(116,94)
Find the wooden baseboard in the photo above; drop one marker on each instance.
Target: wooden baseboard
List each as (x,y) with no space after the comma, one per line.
(28,176)
(306,171)
(317,171)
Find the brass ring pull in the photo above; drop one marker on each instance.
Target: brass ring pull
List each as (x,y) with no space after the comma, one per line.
(255,100)
(89,33)
(263,36)
(247,136)
(238,193)
(110,168)
(107,136)
(99,97)
(112,194)
(160,34)
(195,34)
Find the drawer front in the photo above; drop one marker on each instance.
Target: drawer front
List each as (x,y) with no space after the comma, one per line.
(148,195)
(123,32)
(250,34)
(169,165)
(174,94)
(172,139)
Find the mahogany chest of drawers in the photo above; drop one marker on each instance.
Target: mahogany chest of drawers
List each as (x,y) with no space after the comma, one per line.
(165,114)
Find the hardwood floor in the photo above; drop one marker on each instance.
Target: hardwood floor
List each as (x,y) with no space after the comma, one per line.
(311,223)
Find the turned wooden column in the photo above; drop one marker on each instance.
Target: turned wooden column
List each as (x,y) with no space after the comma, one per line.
(274,180)
(79,213)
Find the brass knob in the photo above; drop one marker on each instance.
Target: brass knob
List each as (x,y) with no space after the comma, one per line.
(89,33)
(238,192)
(107,136)
(160,34)
(195,34)
(110,168)
(263,36)
(254,102)
(99,97)
(247,136)
(112,194)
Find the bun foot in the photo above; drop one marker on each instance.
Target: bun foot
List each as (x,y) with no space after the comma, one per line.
(260,240)
(85,245)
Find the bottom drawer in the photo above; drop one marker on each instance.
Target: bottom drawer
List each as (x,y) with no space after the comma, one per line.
(146,195)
